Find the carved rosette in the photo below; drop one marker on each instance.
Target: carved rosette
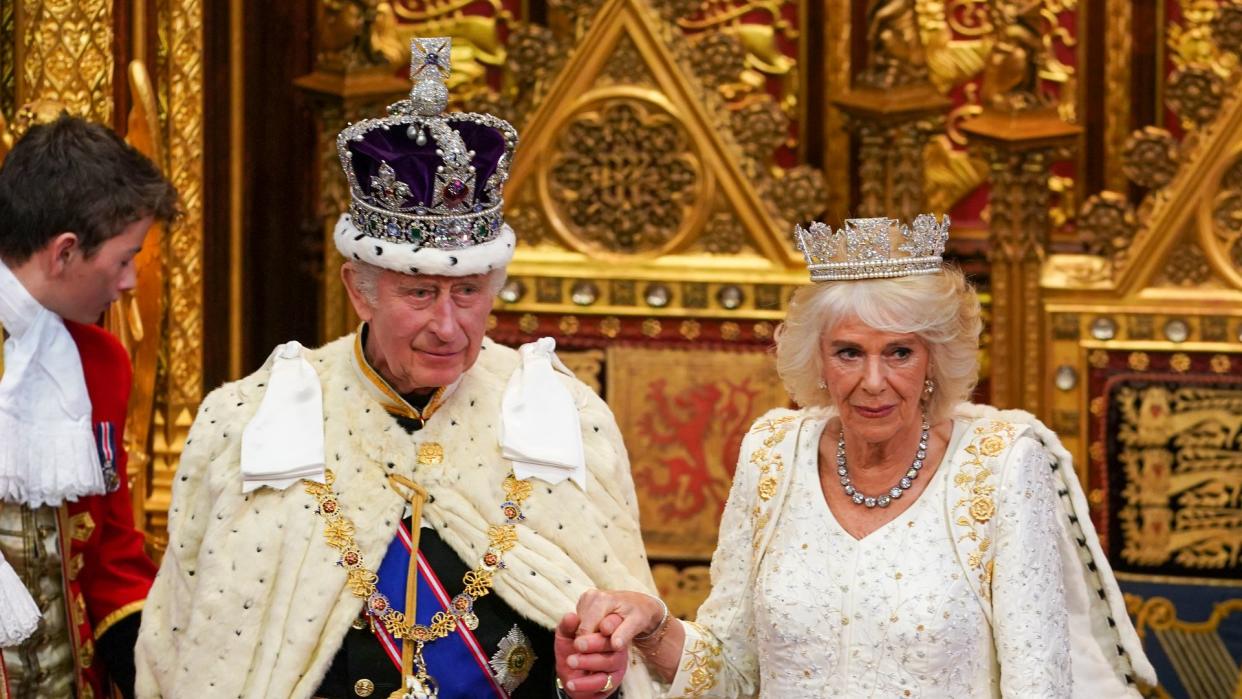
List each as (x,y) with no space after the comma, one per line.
(718,58)
(623,176)
(535,56)
(761,127)
(724,234)
(1187,265)
(626,65)
(68,55)
(527,223)
(798,194)
(1151,157)
(1195,94)
(1107,225)
(1227,28)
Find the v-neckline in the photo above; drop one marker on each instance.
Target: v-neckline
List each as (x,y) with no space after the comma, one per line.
(822,500)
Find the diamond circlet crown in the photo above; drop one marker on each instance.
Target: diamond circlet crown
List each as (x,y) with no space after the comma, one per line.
(873,248)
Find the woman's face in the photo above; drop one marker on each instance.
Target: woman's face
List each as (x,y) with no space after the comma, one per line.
(875,379)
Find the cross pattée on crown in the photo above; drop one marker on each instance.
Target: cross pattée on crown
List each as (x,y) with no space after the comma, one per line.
(431,58)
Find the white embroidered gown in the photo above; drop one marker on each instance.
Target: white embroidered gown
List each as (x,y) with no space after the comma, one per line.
(893,614)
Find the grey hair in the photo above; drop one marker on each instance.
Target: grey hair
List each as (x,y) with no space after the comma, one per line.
(942,309)
(366,280)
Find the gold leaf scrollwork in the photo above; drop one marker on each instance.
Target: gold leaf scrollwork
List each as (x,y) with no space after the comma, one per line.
(535,56)
(896,56)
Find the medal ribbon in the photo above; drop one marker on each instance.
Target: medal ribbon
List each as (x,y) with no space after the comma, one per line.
(408,581)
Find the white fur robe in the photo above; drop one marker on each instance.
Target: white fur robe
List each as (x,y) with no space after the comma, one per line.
(249,601)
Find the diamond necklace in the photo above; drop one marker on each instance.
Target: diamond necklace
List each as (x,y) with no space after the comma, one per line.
(893,493)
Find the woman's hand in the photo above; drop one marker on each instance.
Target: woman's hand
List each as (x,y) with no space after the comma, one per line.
(586,665)
(620,615)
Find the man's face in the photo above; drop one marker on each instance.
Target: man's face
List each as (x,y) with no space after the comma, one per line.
(87,285)
(424,331)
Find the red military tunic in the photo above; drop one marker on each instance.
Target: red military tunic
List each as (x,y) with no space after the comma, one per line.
(106,572)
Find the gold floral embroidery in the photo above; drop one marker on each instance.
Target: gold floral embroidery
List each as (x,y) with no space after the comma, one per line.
(991,445)
(702,662)
(763,457)
(982,509)
(977,504)
(767,488)
(768,464)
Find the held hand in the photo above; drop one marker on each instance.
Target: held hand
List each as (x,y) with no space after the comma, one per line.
(587,666)
(620,615)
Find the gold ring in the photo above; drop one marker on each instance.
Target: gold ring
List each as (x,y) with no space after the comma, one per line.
(607,685)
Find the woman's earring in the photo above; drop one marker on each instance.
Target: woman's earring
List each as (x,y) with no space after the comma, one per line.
(822,385)
(929,387)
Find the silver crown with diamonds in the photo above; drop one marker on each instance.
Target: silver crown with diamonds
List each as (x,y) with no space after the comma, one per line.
(873,248)
(447,213)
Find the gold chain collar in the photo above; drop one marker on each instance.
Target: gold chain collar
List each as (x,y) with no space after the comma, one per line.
(339,532)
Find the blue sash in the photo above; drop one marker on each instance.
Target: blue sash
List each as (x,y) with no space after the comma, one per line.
(457,661)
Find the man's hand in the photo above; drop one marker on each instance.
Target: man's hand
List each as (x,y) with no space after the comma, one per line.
(587,665)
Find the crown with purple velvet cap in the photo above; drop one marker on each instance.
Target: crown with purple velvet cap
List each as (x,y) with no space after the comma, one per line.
(425,185)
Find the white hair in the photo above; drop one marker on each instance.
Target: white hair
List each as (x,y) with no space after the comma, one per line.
(942,309)
(366,280)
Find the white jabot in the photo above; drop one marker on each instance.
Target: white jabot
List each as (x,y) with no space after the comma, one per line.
(47,449)
(540,430)
(283,443)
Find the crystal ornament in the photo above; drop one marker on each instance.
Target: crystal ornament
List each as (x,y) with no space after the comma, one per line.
(873,248)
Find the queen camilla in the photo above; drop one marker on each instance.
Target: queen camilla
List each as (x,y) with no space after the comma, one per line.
(888,538)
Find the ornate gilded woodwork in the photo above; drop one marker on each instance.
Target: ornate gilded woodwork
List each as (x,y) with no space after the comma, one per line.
(8,60)
(1118,72)
(707,146)
(624,178)
(892,127)
(138,317)
(64,54)
(682,589)
(1020,150)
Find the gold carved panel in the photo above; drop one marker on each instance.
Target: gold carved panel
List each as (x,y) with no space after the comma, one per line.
(65,55)
(683,414)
